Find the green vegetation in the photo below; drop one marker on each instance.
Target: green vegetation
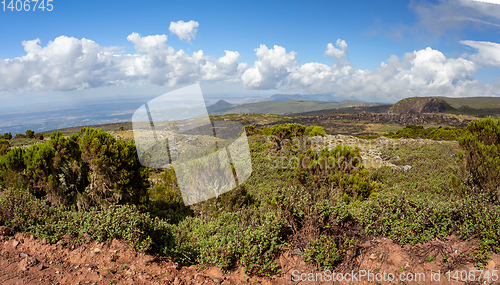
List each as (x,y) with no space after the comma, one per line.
(480,160)
(86,169)
(300,196)
(290,106)
(315,131)
(419,132)
(4,146)
(6,136)
(335,171)
(412,131)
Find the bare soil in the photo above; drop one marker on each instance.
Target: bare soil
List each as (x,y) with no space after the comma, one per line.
(25,259)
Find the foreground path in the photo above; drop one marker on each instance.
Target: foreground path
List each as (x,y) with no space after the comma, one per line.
(28,260)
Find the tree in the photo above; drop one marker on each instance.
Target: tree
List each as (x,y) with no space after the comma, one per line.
(7,136)
(87,169)
(30,134)
(114,172)
(53,170)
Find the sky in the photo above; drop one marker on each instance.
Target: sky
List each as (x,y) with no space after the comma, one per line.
(379,51)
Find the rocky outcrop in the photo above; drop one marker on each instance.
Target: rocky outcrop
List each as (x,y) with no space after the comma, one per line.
(419,105)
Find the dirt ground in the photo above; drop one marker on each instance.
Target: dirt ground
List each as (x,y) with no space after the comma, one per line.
(25,259)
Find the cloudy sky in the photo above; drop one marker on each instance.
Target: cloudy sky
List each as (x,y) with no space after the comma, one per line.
(368,50)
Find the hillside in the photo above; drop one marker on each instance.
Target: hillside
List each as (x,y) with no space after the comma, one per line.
(305,97)
(290,106)
(418,105)
(473,102)
(473,106)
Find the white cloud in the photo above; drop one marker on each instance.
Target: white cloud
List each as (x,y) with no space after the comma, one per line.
(184,30)
(420,73)
(271,68)
(454,15)
(68,63)
(337,53)
(64,64)
(149,43)
(226,67)
(488,52)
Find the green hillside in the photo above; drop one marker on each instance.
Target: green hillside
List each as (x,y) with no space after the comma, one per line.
(473,102)
(291,106)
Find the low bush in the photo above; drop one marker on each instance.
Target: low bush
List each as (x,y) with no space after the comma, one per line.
(4,146)
(335,171)
(22,211)
(248,237)
(315,131)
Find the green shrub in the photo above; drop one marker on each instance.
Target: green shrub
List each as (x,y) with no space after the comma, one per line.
(480,160)
(337,170)
(86,169)
(326,253)
(4,146)
(315,131)
(165,200)
(30,134)
(39,136)
(412,131)
(22,211)
(7,136)
(251,130)
(248,237)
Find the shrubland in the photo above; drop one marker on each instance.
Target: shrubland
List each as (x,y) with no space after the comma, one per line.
(322,201)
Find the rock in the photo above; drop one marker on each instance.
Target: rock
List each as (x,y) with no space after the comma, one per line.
(215,272)
(5,231)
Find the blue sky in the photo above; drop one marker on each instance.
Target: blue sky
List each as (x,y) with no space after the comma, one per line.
(369,50)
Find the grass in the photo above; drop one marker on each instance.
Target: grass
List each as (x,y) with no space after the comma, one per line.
(431,167)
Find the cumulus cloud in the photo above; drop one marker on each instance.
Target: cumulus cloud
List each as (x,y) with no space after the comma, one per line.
(423,72)
(335,52)
(419,73)
(226,67)
(149,43)
(271,68)
(488,53)
(184,30)
(68,63)
(64,64)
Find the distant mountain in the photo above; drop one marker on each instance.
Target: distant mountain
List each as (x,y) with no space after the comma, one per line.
(308,97)
(219,106)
